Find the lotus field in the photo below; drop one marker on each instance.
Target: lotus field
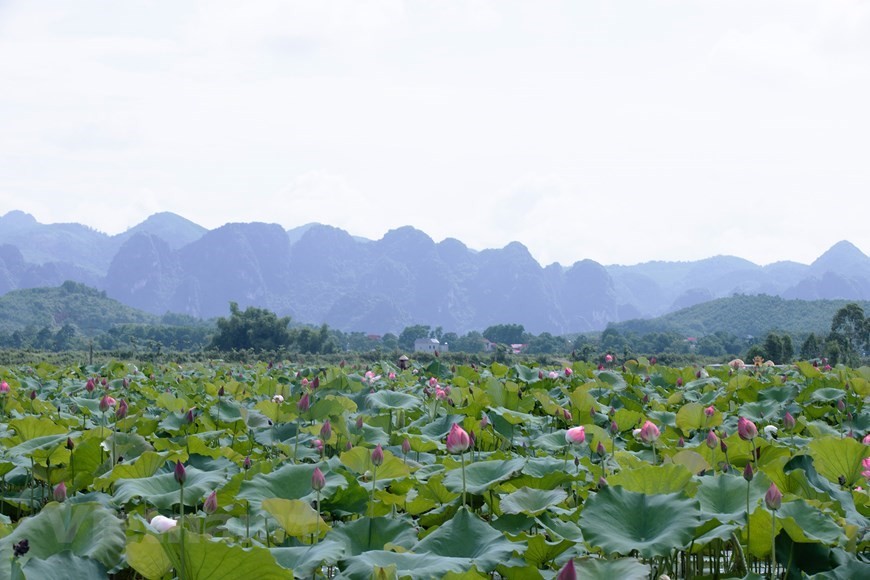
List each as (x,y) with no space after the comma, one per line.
(222,471)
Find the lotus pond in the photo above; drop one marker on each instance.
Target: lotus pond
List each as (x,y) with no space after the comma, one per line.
(225,471)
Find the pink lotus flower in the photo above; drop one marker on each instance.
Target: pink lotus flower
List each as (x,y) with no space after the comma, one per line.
(121,411)
(210,505)
(747,472)
(304,403)
(433,382)
(788,421)
(378,455)
(608,358)
(484,422)
(568,572)
(710,411)
(89,386)
(773,497)
(737,364)
(712,440)
(457,440)
(553,375)
(440,393)
(392,376)
(865,465)
(162,523)
(866,439)
(649,433)
(746,429)
(566,414)
(60,492)
(568,372)
(106,403)
(4,388)
(575,435)
(318,445)
(406,446)
(372,377)
(304,382)
(318,481)
(326,430)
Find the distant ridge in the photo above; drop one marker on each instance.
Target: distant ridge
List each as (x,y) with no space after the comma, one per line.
(318,273)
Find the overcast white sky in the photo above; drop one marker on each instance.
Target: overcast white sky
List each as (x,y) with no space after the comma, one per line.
(617,131)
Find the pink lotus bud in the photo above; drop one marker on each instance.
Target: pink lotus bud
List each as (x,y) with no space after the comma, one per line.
(712,440)
(457,440)
(723,446)
(378,455)
(304,403)
(433,382)
(246,464)
(406,446)
(221,391)
(841,405)
(318,445)
(190,417)
(645,399)
(315,384)
(679,381)
(32,395)
(568,372)
(746,429)
(392,376)
(326,430)
(484,422)
(575,435)
(866,440)
(681,442)
(69,444)
(348,446)
(865,467)
(747,472)
(4,388)
(600,367)
(540,375)
(89,386)
(106,403)
(710,411)
(773,497)
(614,428)
(210,505)
(788,421)
(600,449)
(553,375)
(121,411)
(440,393)
(162,523)
(180,473)
(359,422)
(602,483)
(649,433)
(60,492)
(567,572)
(608,358)
(318,481)
(304,382)
(653,360)
(566,414)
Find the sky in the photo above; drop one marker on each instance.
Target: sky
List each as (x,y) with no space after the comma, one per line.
(621,132)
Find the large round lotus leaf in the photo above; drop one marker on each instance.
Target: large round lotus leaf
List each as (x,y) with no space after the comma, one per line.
(532,501)
(364,534)
(652,479)
(623,568)
(292,481)
(145,465)
(305,561)
(481,476)
(560,528)
(162,490)
(834,457)
(296,517)
(540,552)
(778,394)
(723,497)
(64,566)
(546,473)
(208,559)
(619,521)
(805,524)
(691,417)
(691,460)
(87,530)
(383,400)
(31,427)
(359,460)
(467,536)
(405,565)
(760,523)
(826,395)
(761,411)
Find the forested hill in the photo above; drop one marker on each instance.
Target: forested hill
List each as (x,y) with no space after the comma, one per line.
(742,315)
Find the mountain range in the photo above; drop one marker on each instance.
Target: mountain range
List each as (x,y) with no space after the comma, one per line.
(321,274)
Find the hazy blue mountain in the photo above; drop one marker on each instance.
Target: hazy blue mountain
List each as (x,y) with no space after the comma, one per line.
(318,273)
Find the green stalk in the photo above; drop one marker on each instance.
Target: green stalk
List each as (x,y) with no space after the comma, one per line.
(748,525)
(773,544)
(462,456)
(372,501)
(181,575)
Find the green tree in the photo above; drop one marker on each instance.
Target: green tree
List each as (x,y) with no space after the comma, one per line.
(849,328)
(412,333)
(810,348)
(505,333)
(255,328)
(773,347)
(787,349)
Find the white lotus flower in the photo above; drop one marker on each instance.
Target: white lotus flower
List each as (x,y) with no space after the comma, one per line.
(162,523)
(278,399)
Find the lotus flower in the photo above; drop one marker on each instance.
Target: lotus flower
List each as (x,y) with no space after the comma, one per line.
(392,376)
(568,372)
(406,446)
(180,473)
(326,430)
(866,440)
(710,411)
(600,449)
(649,433)
(433,382)
(318,481)
(737,364)
(457,440)
(771,431)
(747,472)
(575,435)
(278,399)
(773,497)
(568,572)
(841,405)
(106,402)
(246,464)
(553,375)
(60,492)
(608,358)
(378,455)
(304,382)
(746,429)
(4,388)
(162,523)
(788,421)
(121,411)
(712,440)
(210,505)
(304,403)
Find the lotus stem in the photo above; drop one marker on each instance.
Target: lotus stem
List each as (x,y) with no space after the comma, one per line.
(181,573)
(462,457)
(773,543)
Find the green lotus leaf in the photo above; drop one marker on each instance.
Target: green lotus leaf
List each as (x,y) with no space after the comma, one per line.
(384,400)
(623,568)
(626,419)
(531,501)
(291,481)
(619,521)
(691,460)
(405,565)
(835,458)
(86,530)
(143,466)
(826,395)
(297,517)
(63,566)
(31,427)
(162,490)
(359,460)
(364,534)
(147,557)
(805,523)
(560,528)
(777,394)
(467,536)
(540,552)
(481,476)
(845,502)
(761,411)
(305,561)
(652,479)
(760,523)
(691,417)
(440,427)
(209,559)
(723,497)
(545,473)
(49,447)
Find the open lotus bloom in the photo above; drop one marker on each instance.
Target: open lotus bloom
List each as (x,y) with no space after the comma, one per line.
(162,523)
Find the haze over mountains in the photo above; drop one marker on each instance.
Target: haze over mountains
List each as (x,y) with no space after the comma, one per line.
(318,273)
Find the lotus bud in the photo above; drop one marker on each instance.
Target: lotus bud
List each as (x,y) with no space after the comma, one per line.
(614,428)
(841,405)
(121,411)
(712,440)
(553,375)
(576,462)
(348,445)
(326,430)
(304,382)
(681,442)
(773,497)
(841,479)
(645,399)
(162,523)
(726,468)
(653,360)
(457,440)
(575,435)
(747,472)
(359,422)
(406,446)
(318,481)
(568,372)
(866,440)
(318,445)
(210,505)
(649,433)
(788,421)
(471,439)
(246,464)
(600,367)
(180,473)
(69,444)
(567,572)
(304,403)
(723,446)
(433,382)
(60,492)
(378,455)
(566,414)
(221,391)
(104,382)
(4,388)
(190,417)
(602,483)
(484,422)
(540,375)
(32,395)
(746,429)
(315,383)
(106,402)
(710,411)
(600,449)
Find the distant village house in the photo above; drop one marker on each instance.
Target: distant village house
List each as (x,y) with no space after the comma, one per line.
(429,345)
